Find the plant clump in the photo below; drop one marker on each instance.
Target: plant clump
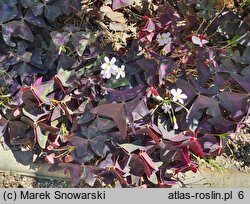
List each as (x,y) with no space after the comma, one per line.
(123,93)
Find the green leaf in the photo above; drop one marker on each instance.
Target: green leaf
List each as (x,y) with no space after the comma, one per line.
(41,138)
(41,91)
(245,3)
(234,41)
(115,83)
(63,76)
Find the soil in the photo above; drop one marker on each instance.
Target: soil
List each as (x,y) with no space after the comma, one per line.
(238,155)
(12,180)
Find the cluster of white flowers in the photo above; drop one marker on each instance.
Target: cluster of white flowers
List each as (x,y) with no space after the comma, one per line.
(163,39)
(109,68)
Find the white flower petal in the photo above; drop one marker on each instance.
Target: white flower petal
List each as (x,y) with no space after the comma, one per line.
(204,42)
(114,71)
(184,96)
(161,43)
(114,67)
(106,59)
(173,92)
(159,35)
(104,66)
(113,60)
(181,101)
(108,75)
(178,91)
(175,99)
(166,35)
(196,40)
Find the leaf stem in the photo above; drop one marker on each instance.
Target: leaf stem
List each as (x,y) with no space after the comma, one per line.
(235,40)
(224,5)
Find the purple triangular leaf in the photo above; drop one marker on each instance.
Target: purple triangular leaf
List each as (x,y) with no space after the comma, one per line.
(16,29)
(121,3)
(116,112)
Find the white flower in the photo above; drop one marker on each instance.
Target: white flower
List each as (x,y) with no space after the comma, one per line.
(178,96)
(163,38)
(120,72)
(108,68)
(166,108)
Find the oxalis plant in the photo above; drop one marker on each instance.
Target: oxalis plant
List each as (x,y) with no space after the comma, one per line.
(132,112)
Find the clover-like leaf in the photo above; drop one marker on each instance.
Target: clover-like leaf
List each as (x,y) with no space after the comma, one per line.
(59,38)
(37,8)
(16,29)
(86,116)
(81,145)
(243,79)
(116,112)
(42,90)
(98,145)
(27,3)
(187,89)
(8,10)
(80,41)
(90,174)
(124,95)
(235,103)
(166,67)
(149,132)
(35,20)
(204,104)
(135,165)
(52,12)
(210,144)
(41,137)
(75,171)
(65,77)
(130,147)
(17,129)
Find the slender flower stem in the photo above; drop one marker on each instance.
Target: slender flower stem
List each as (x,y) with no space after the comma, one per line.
(179,104)
(203,21)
